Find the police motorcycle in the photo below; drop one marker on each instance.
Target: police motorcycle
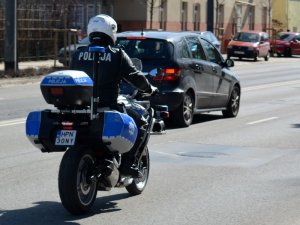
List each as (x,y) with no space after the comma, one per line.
(93,139)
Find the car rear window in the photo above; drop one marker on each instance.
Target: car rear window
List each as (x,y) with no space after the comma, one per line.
(246,37)
(284,37)
(144,48)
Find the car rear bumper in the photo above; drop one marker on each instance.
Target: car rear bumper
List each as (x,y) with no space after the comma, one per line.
(172,99)
(242,53)
(279,49)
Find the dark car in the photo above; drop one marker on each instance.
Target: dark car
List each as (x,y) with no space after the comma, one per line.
(189,71)
(249,44)
(69,51)
(286,43)
(212,38)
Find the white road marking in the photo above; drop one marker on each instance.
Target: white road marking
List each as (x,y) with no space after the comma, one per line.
(6,123)
(165,153)
(263,120)
(278,84)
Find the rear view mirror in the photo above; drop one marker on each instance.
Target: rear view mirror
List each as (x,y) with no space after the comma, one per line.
(153,72)
(229,63)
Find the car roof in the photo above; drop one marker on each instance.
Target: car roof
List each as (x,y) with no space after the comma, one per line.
(253,32)
(164,35)
(288,32)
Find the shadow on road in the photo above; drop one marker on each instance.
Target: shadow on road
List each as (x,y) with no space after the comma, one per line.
(296,125)
(201,118)
(53,213)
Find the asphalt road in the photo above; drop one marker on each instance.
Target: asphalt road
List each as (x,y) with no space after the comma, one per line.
(241,171)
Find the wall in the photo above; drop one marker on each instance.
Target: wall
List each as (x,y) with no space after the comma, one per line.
(279,15)
(130,14)
(293,23)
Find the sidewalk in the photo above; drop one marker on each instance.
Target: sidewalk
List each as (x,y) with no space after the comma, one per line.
(35,65)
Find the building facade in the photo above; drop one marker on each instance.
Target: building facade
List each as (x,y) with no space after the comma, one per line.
(38,20)
(286,15)
(226,17)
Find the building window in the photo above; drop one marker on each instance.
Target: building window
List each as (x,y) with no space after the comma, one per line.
(197,16)
(107,7)
(220,21)
(162,14)
(251,17)
(183,14)
(238,22)
(76,16)
(92,10)
(234,26)
(264,18)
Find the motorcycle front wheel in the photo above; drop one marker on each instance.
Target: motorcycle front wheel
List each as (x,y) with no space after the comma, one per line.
(139,184)
(76,188)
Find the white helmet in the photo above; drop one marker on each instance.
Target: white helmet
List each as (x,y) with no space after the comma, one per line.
(103,24)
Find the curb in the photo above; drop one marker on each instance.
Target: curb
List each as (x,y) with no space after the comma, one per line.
(4,82)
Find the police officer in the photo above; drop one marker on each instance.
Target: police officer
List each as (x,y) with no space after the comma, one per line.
(114,66)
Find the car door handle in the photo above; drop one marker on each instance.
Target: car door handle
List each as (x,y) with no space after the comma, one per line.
(199,67)
(214,69)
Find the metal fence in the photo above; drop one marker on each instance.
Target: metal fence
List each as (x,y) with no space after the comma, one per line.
(41,28)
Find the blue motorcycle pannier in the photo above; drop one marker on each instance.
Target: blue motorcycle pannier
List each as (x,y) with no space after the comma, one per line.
(33,125)
(119,131)
(115,131)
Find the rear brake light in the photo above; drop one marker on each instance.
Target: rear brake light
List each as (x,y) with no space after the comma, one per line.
(168,74)
(67,125)
(56,91)
(136,38)
(170,71)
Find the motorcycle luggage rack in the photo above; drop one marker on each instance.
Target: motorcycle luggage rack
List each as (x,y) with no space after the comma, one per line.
(80,111)
(73,111)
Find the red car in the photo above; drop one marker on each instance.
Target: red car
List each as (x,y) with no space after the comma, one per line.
(249,44)
(286,43)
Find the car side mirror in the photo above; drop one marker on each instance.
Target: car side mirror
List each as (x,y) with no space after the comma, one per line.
(229,63)
(153,72)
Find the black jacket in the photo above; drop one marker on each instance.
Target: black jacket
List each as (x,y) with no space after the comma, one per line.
(114,65)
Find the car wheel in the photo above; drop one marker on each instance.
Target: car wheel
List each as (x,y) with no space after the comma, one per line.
(233,105)
(267,57)
(287,52)
(255,58)
(183,115)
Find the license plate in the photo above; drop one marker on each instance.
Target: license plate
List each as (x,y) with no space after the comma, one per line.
(239,52)
(65,137)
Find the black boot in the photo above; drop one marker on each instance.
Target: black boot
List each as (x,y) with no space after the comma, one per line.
(128,168)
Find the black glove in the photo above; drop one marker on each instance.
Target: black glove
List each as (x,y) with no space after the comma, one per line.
(152,90)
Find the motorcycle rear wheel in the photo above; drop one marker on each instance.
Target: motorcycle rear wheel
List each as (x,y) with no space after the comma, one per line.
(77,191)
(139,184)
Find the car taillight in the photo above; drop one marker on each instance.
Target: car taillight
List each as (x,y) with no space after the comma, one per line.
(56,91)
(67,125)
(168,74)
(136,38)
